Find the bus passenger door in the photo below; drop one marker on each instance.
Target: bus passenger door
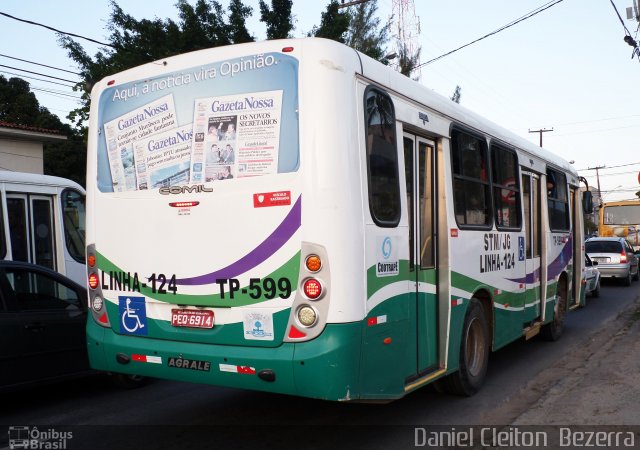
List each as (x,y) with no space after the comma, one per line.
(533,236)
(31,229)
(419,154)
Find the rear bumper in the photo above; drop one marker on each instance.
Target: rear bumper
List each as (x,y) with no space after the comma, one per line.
(326,367)
(614,270)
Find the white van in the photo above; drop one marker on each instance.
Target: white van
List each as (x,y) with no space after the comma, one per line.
(43,222)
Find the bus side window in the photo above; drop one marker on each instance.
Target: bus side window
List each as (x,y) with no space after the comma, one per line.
(506,188)
(471,195)
(557,200)
(73,213)
(382,159)
(3,237)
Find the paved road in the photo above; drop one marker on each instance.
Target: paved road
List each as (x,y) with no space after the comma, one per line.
(178,415)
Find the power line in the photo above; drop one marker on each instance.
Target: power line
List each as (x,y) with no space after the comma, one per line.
(615,167)
(502,28)
(38,73)
(55,91)
(34,78)
(39,64)
(599,120)
(56,30)
(612,174)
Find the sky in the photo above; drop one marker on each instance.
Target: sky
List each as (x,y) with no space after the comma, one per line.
(566,68)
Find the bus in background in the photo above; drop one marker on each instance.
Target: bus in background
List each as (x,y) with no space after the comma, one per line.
(621,219)
(295,217)
(43,222)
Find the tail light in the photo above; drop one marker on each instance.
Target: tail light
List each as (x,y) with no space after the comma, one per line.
(97,302)
(310,307)
(312,288)
(623,256)
(94,281)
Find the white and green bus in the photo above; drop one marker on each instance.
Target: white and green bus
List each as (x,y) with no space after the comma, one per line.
(295,217)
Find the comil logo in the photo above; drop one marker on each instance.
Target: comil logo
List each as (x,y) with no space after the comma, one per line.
(32,438)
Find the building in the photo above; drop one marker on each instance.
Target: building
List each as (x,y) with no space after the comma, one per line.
(21,147)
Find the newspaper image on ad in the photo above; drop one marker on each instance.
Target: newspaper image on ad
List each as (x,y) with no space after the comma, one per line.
(122,132)
(163,159)
(236,136)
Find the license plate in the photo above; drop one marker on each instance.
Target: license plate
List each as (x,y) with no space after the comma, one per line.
(192,318)
(600,260)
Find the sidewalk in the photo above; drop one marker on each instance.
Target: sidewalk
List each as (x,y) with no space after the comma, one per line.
(603,386)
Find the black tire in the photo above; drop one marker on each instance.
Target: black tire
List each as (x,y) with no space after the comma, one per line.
(596,291)
(474,354)
(127,381)
(627,279)
(553,330)
(636,277)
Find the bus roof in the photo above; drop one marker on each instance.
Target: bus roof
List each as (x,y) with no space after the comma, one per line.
(631,202)
(7,176)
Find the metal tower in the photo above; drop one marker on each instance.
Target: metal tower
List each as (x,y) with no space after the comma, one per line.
(407,30)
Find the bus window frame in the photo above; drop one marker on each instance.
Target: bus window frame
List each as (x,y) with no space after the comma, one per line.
(64,192)
(395,220)
(3,233)
(517,189)
(555,200)
(457,128)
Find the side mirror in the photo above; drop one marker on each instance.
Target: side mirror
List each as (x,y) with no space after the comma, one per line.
(587,202)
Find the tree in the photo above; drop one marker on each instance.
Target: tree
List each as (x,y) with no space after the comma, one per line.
(237,22)
(334,24)
(20,106)
(278,18)
(133,42)
(407,62)
(365,33)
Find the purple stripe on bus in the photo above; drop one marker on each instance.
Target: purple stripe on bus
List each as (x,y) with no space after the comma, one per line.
(555,268)
(258,255)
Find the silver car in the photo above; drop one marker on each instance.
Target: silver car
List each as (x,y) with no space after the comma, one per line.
(591,277)
(615,258)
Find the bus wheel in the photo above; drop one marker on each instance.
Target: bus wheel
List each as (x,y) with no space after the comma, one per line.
(553,330)
(474,353)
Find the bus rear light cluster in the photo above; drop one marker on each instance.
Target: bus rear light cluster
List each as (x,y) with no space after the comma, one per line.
(96,300)
(310,308)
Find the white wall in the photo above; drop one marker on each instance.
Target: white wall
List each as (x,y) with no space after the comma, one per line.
(21,156)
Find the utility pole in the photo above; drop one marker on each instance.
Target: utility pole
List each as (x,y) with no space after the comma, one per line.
(598,179)
(543,130)
(354,2)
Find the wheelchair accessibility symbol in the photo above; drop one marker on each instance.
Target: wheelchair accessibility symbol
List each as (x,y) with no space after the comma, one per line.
(133,315)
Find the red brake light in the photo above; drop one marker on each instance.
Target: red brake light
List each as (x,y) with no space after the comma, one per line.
(94,281)
(623,256)
(183,204)
(312,288)
(287,49)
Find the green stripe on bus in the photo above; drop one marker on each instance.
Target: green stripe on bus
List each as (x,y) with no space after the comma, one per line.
(288,270)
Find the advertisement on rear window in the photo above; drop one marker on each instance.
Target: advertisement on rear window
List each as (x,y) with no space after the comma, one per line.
(206,124)
(238,136)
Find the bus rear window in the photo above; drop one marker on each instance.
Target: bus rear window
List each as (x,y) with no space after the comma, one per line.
(214,122)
